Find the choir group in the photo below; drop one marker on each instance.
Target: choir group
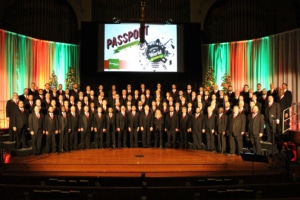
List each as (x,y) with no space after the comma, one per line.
(58,120)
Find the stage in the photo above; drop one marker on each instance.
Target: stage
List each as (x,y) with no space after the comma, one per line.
(132,162)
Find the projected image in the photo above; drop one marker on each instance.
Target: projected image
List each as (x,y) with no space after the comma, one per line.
(123,51)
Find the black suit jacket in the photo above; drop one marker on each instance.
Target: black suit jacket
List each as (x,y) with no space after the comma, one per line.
(63,123)
(284,104)
(209,123)
(99,122)
(289,97)
(158,124)
(19,119)
(146,121)
(85,122)
(172,123)
(197,123)
(272,112)
(184,123)
(11,108)
(133,121)
(73,122)
(222,123)
(274,94)
(110,123)
(121,121)
(256,124)
(50,125)
(237,125)
(36,124)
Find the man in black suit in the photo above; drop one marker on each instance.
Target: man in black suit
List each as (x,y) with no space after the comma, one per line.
(121,125)
(236,130)
(11,108)
(51,130)
(19,123)
(47,89)
(184,125)
(146,126)
(227,108)
(283,102)
(110,128)
(245,93)
(36,124)
(148,97)
(23,97)
(258,91)
(133,126)
(32,90)
(272,91)
(75,91)
(174,91)
(29,104)
(272,117)
(64,131)
(60,90)
(287,94)
(86,127)
(73,128)
(99,124)
(196,128)
(215,91)
(230,93)
(209,128)
(255,129)
(221,128)
(171,127)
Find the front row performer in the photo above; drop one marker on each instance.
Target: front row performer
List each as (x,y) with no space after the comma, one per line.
(158,128)
(171,127)
(146,125)
(19,123)
(99,124)
(209,128)
(256,129)
(221,128)
(110,129)
(133,126)
(36,124)
(236,130)
(196,129)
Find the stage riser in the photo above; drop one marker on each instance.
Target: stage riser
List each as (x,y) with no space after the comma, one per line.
(4,137)
(22,152)
(9,146)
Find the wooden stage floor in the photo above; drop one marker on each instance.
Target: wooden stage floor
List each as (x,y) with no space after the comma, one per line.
(129,162)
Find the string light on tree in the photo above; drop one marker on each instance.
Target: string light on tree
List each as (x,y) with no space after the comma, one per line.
(53,80)
(70,79)
(209,80)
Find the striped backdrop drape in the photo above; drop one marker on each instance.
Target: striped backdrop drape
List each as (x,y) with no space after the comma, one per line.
(273,59)
(24,60)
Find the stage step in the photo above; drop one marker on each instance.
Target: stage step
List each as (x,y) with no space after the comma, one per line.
(8,145)
(22,152)
(4,137)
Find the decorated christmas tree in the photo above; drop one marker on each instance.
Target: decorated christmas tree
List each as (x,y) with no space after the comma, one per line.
(71,79)
(53,80)
(209,80)
(226,82)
